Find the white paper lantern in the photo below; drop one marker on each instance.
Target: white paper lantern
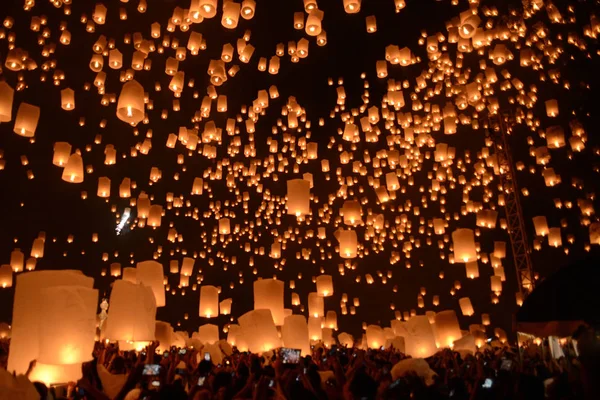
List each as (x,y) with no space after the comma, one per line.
(268,295)
(28,309)
(209,302)
(151,274)
(71,311)
(259,330)
(294,333)
(132,313)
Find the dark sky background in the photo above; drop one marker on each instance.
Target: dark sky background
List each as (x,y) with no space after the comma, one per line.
(49,204)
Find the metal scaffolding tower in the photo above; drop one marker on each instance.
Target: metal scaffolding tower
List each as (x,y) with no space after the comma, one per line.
(499,128)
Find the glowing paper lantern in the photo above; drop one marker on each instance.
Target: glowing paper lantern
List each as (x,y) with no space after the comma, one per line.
(465,306)
(209,302)
(248,9)
(187,267)
(235,337)
(155,215)
(472,270)
(352,6)
(316,305)
(325,285)
(6,102)
(554,237)
(132,314)
(130,106)
(351,211)
(447,329)
(348,244)
(6,276)
(331,320)
(17,260)
(346,340)
(73,171)
(51,374)
(27,120)
(315,333)
(225,307)
(151,274)
(231,15)
(496,283)
(67,99)
(103,187)
(375,337)
(207,333)
(294,333)
(268,295)
(4,330)
(464,245)
(224,226)
(71,311)
(28,310)
(130,275)
(298,197)
(418,336)
(62,151)
(541,225)
(259,330)
(206,8)
(164,334)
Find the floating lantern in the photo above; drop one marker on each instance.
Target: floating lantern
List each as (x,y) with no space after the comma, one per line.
(268,294)
(27,120)
(150,273)
(209,302)
(259,331)
(130,106)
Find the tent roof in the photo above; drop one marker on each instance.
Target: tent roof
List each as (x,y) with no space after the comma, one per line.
(563,301)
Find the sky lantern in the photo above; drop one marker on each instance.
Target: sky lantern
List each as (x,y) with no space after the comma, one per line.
(298,197)
(231,14)
(72,311)
(150,273)
(130,106)
(316,305)
(325,285)
(466,307)
(6,276)
(155,215)
(259,330)
(62,151)
(130,275)
(103,187)
(73,171)
(6,102)
(225,307)
(313,22)
(37,248)
(375,337)
(268,294)
(209,301)
(206,8)
(294,333)
(27,120)
(28,311)
(348,244)
(315,332)
(131,317)
(224,226)
(248,9)
(352,6)
(447,329)
(464,245)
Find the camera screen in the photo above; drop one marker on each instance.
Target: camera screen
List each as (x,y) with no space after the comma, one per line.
(290,356)
(151,369)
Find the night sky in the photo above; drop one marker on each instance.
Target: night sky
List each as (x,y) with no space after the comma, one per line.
(49,204)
